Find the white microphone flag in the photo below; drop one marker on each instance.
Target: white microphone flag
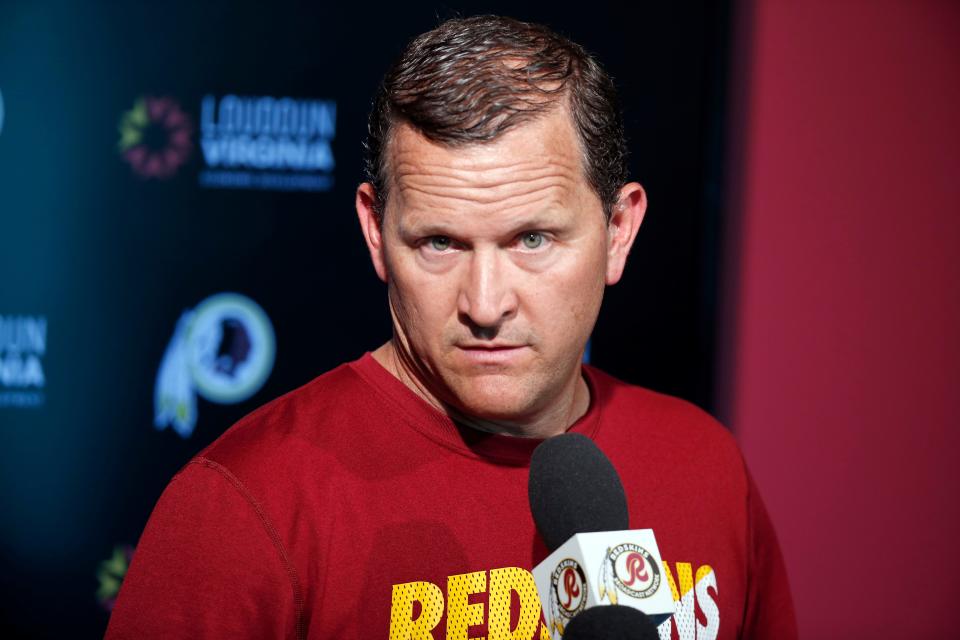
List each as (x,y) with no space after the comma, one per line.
(603,568)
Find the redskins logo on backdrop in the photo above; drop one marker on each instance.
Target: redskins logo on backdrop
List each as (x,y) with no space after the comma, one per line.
(223,350)
(631,569)
(568,594)
(155,137)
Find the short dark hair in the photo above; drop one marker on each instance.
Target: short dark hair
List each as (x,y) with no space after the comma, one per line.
(470,80)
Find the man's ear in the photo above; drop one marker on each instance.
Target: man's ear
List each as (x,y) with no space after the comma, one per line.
(622,228)
(370,223)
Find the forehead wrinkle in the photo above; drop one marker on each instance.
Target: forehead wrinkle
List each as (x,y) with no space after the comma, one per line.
(511,194)
(483,160)
(454,219)
(480,173)
(485,182)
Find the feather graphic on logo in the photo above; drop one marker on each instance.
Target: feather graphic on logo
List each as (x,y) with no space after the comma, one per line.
(607,587)
(174,400)
(556,622)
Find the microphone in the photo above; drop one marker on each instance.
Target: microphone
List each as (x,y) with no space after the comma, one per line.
(615,622)
(573,488)
(602,580)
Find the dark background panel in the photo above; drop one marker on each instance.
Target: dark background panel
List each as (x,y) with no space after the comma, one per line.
(111,260)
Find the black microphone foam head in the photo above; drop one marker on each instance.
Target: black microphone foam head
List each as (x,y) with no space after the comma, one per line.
(574,488)
(615,622)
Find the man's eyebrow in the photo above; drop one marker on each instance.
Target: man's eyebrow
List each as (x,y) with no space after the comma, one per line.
(426,228)
(546,223)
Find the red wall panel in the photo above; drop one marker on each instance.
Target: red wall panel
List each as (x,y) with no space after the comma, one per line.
(843,374)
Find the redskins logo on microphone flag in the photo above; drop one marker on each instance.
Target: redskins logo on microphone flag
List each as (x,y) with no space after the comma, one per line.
(568,594)
(631,569)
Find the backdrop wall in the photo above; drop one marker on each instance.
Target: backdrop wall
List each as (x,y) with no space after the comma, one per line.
(154,156)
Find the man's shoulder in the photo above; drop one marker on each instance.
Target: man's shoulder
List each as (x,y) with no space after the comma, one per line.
(680,444)
(302,419)
(660,416)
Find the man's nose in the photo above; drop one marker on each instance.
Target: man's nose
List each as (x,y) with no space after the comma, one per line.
(487,296)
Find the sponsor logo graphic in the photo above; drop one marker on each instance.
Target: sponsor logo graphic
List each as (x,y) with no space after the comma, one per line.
(570,587)
(23,344)
(155,137)
(631,569)
(263,142)
(568,594)
(110,575)
(223,350)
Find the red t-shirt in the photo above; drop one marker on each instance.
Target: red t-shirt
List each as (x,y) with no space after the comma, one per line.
(350,508)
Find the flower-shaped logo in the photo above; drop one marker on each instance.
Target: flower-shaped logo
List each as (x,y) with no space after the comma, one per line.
(111,573)
(155,137)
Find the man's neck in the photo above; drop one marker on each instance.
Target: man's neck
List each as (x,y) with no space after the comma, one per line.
(554,420)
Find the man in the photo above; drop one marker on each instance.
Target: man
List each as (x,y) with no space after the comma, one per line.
(387,498)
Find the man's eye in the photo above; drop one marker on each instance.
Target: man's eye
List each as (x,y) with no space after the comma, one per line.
(532,240)
(439,243)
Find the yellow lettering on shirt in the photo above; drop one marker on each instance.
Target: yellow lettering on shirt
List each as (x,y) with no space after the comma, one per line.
(502,583)
(403,626)
(461,615)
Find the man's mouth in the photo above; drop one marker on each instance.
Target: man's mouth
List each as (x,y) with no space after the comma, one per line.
(491,353)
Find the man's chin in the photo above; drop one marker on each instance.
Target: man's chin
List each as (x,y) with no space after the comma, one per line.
(505,402)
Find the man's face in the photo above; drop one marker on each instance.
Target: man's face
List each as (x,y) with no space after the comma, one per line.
(496,257)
